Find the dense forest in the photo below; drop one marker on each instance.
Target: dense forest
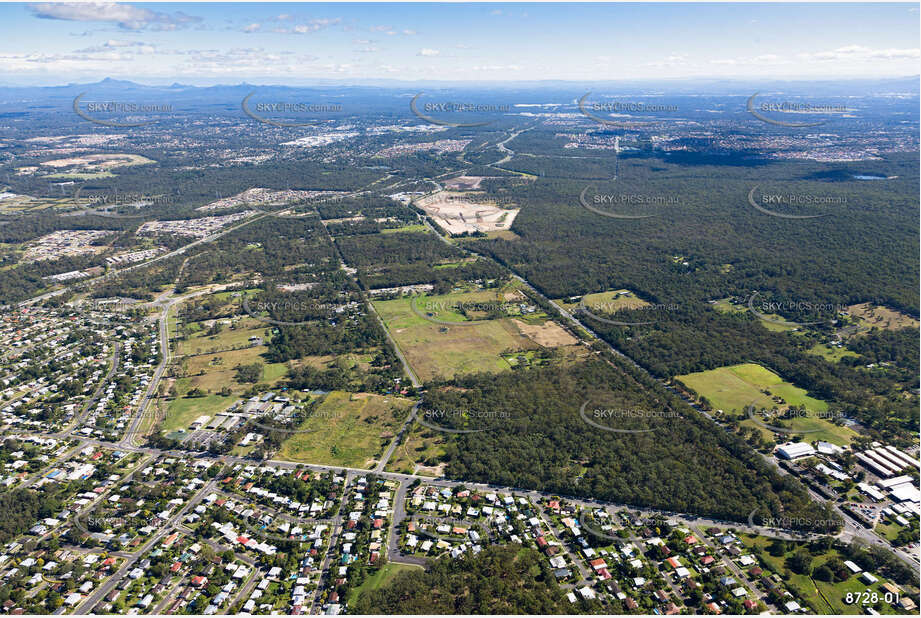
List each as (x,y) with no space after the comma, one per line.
(529,433)
(501,579)
(705,242)
(21,508)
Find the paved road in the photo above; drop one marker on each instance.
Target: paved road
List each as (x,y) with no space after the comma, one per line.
(78,419)
(165,355)
(740,575)
(393,536)
(407,425)
(97,595)
(326,563)
(64,457)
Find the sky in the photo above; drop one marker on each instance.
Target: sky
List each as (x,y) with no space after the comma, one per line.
(294,43)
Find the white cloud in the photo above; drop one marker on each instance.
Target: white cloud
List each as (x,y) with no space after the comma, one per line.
(849,54)
(125,16)
(111,45)
(304,28)
(497,67)
(425,51)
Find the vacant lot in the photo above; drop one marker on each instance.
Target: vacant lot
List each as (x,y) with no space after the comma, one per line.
(347,429)
(434,349)
(419,453)
(459,212)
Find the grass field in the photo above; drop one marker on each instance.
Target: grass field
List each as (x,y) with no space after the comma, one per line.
(725,305)
(437,350)
(347,429)
(380,578)
(219,369)
(418,227)
(874,316)
(421,445)
(182,411)
(733,388)
(607,302)
(243,329)
(826,597)
(831,354)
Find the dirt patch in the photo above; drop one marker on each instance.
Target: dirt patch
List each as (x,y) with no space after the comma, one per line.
(881,317)
(549,334)
(463,212)
(464,182)
(437,471)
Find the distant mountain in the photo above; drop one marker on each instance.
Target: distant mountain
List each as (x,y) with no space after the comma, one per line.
(383,95)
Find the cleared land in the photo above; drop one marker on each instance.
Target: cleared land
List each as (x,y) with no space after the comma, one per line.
(347,429)
(464,182)
(460,212)
(876,316)
(419,453)
(607,302)
(94,166)
(434,349)
(831,353)
(733,388)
